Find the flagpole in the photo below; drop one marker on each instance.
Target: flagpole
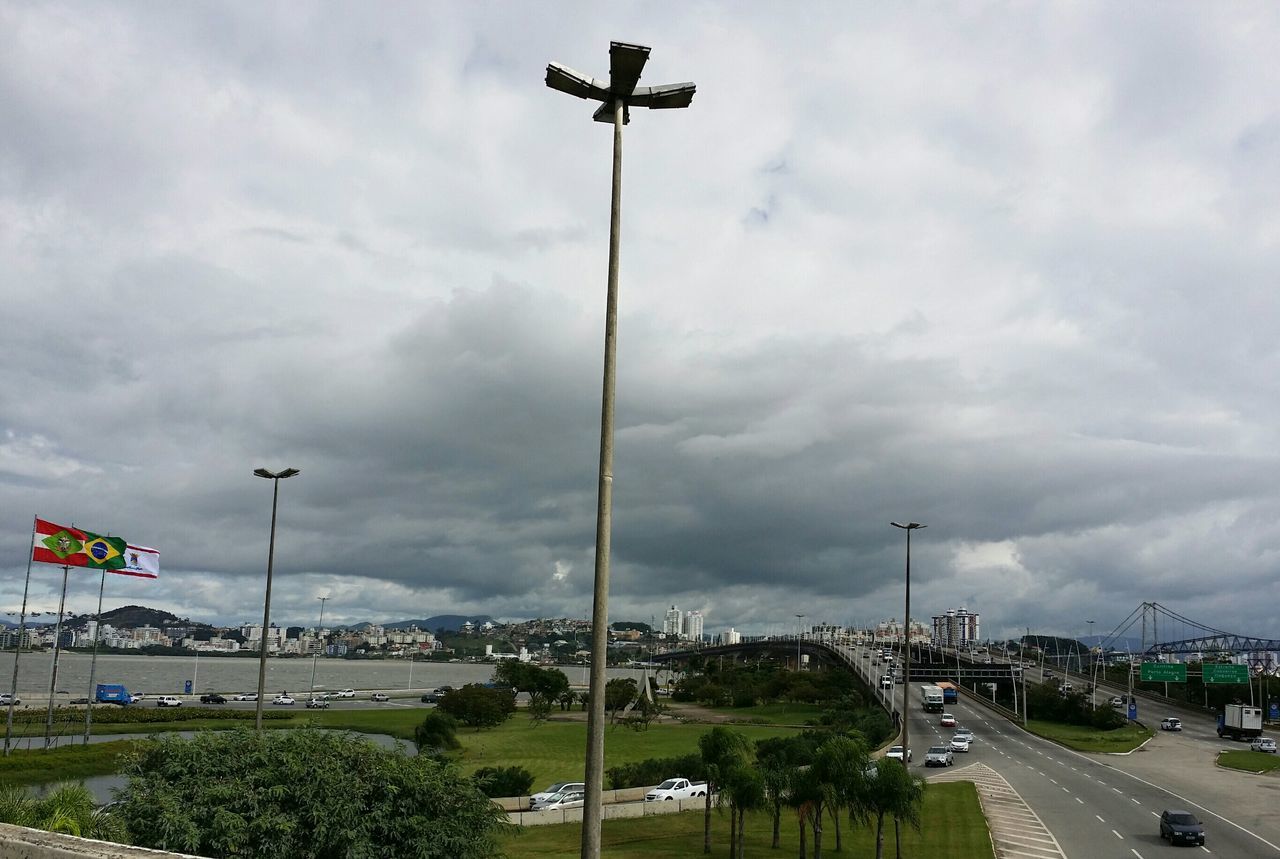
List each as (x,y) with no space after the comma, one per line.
(57,648)
(93,662)
(17,651)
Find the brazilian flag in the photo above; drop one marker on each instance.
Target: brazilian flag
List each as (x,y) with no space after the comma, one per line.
(104,553)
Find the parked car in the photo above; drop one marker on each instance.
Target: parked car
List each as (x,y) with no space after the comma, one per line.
(283,701)
(543,796)
(379,696)
(168,701)
(318,703)
(1263,744)
(938,756)
(895,752)
(1171,724)
(676,788)
(6,699)
(959,744)
(1181,827)
(346,693)
(947,720)
(212,698)
(245,696)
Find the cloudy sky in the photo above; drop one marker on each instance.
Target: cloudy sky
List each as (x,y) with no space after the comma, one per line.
(1007,270)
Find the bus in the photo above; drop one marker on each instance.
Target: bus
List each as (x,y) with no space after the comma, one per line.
(930,698)
(950,693)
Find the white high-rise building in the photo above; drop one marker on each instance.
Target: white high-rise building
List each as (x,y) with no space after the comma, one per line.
(672,623)
(956,628)
(693,625)
(731,636)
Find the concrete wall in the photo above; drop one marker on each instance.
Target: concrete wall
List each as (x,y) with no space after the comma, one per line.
(19,843)
(611,811)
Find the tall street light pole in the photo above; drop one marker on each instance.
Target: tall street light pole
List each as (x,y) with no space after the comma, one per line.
(316,655)
(1093,685)
(906,637)
(799,635)
(616,97)
(275,478)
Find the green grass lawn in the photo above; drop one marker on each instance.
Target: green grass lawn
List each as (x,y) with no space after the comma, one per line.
(68,763)
(954,828)
(1254,762)
(1086,739)
(768,714)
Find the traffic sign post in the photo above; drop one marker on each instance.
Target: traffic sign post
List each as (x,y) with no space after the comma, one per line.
(1133,711)
(1166,672)
(1226,673)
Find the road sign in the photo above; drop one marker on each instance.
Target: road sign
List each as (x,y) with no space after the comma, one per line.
(1226,673)
(1167,672)
(1133,711)
(187,686)
(1275,711)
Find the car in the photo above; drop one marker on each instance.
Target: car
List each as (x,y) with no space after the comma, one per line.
(78,701)
(245,696)
(1116,701)
(212,698)
(1181,827)
(345,693)
(1048,672)
(168,701)
(283,701)
(1263,744)
(559,787)
(938,756)
(895,752)
(1171,724)
(967,734)
(947,720)
(6,699)
(318,703)
(379,696)
(565,799)
(959,744)
(136,697)
(886,681)
(432,697)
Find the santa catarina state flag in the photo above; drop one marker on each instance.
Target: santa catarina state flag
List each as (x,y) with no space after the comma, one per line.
(141,562)
(75,547)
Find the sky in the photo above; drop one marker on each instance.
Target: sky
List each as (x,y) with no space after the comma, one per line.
(1007,270)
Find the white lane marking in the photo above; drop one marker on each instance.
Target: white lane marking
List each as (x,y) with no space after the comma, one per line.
(1016,830)
(1079,800)
(1100,820)
(1136,853)
(1118,835)
(1135,800)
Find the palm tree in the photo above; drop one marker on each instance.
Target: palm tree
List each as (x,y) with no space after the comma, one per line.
(744,789)
(894,792)
(722,750)
(841,764)
(68,809)
(776,775)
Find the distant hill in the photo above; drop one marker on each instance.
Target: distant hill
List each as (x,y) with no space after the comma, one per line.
(132,616)
(450,622)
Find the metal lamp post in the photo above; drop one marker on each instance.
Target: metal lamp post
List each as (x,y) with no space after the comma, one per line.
(616,97)
(906,637)
(275,478)
(1093,659)
(799,635)
(316,655)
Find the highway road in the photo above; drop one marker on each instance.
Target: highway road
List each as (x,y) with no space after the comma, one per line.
(1100,806)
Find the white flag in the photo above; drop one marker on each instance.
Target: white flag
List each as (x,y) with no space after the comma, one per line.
(141,562)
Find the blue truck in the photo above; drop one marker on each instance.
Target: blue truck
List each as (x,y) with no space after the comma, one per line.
(112,693)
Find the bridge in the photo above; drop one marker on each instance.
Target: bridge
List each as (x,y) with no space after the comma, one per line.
(1165,631)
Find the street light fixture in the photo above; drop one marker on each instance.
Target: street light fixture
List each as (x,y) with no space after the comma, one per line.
(275,478)
(1093,659)
(906,637)
(626,62)
(316,654)
(799,635)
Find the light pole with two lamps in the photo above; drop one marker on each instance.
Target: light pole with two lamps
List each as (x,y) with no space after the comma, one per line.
(906,637)
(616,97)
(275,478)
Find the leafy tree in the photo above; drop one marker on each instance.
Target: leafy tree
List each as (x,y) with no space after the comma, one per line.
(839,767)
(544,686)
(503,781)
(618,693)
(722,751)
(478,706)
(68,809)
(744,790)
(437,733)
(892,791)
(303,793)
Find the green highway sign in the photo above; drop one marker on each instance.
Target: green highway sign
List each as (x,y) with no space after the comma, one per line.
(1226,673)
(1168,672)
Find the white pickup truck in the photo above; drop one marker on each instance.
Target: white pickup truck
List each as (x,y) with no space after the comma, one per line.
(676,788)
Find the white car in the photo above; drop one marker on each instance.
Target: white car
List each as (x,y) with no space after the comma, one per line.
(959,744)
(559,787)
(318,703)
(6,699)
(136,697)
(947,720)
(1263,744)
(245,696)
(379,696)
(168,701)
(1117,701)
(567,799)
(283,700)
(967,734)
(345,693)
(1171,724)
(895,752)
(938,756)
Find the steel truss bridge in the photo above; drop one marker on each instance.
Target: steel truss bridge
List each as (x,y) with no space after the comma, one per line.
(1165,631)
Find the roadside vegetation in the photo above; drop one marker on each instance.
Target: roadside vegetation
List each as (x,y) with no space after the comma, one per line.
(1253,762)
(1072,721)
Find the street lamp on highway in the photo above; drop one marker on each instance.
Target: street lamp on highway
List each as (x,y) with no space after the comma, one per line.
(616,98)
(906,637)
(275,478)
(316,653)
(1093,686)
(799,635)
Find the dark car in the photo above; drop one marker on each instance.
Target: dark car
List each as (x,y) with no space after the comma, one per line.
(212,698)
(434,696)
(1181,827)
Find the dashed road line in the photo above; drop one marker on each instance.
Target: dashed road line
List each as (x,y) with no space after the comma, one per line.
(1016,830)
